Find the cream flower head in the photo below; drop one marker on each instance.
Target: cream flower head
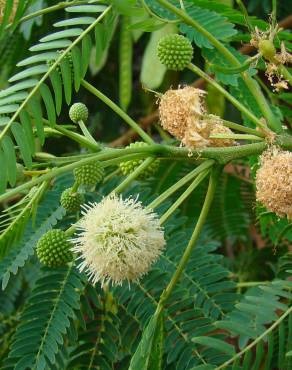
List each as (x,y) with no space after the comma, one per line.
(119,240)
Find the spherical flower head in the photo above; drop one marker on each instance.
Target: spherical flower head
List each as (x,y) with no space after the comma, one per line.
(53,249)
(89,174)
(180,108)
(78,112)
(175,52)
(128,167)
(274,182)
(71,200)
(118,240)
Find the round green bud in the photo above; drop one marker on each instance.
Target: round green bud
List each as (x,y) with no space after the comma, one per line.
(78,112)
(175,52)
(267,49)
(89,174)
(53,249)
(71,201)
(128,167)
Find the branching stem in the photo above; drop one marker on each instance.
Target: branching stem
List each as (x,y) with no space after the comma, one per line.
(118,110)
(192,242)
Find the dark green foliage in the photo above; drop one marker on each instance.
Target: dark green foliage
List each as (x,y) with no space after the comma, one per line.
(46,319)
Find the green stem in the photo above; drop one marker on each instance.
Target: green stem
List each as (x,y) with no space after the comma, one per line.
(248,284)
(123,185)
(237,127)
(118,110)
(84,141)
(161,198)
(194,238)
(256,341)
(236,137)
(228,96)
(184,196)
(75,187)
(222,155)
(250,83)
(86,133)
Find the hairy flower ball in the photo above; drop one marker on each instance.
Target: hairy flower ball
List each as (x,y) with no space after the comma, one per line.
(78,112)
(128,167)
(175,52)
(182,114)
(179,108)
(71,201)
(274,182)
(119,240)
(53,249)
(89,174)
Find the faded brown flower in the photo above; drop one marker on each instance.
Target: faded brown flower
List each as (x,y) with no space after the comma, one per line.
(274,182)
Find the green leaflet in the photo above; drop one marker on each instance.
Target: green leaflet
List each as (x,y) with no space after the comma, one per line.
(213,22)
(151,62)
(35,66)
(215,343)
(48,214)
(148,355)
(46,319)
(214,59)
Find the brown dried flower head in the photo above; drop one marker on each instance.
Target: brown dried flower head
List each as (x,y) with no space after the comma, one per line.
(274,182)
(182,114)
(198,134)
(178,108)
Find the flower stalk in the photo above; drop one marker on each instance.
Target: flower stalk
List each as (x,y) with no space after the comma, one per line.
(192,242)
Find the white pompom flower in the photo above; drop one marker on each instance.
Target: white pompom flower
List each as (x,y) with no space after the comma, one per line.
(118,240)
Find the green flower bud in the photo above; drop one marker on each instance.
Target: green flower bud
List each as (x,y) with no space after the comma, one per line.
(175,52)
(53,249)
(128,167)
(89,174)
(78,112)
(267,49)
(71,201)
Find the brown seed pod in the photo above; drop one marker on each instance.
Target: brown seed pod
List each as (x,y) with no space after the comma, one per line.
(180,108)
(274,182)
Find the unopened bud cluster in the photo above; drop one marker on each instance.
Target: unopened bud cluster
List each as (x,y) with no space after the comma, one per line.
(128,167)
